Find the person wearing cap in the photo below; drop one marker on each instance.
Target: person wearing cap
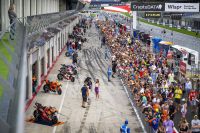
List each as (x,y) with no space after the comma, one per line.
(188,86)
(184,108)
(195,125)
(124,128)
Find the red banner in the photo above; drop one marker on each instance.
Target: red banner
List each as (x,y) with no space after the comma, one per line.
(182,67)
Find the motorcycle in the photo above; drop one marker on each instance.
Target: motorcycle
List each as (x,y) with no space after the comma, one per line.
(69,68)
(64,75)
(52,86)
(47,114)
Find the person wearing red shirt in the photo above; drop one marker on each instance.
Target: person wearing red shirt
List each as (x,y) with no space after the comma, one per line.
(192,98)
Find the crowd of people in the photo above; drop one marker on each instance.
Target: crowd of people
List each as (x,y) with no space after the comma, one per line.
(151,81)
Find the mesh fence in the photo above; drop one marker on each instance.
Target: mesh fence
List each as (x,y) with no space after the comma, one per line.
(11,43)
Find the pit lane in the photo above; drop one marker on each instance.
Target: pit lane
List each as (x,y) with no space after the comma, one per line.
(103,115)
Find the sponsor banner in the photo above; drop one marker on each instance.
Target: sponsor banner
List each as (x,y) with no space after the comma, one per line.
(152,14)
(136,6)
(85,1)
(182,7)
(104,5)
(182,67)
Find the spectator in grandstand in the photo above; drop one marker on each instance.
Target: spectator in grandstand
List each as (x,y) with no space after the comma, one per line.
(184,108)
(12,16)
(188,86)
(172,110)
(183,126)
(193,99)
(169,125)
(178,95)
(195,125)
(161,128)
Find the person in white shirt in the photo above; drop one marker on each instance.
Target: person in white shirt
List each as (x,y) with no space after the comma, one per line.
(195,125)
(171,77)
(188,86)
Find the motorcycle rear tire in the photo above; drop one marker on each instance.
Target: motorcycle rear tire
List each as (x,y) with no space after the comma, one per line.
(46,88)
(60,77)
(72,79)
(59,92)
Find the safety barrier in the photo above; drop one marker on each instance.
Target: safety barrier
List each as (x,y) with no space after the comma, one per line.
(11,47)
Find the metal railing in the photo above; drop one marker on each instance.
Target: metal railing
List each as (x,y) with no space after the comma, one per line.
(10,77)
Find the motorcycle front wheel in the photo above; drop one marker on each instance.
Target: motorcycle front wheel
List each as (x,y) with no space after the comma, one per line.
(46,88)
(60,77)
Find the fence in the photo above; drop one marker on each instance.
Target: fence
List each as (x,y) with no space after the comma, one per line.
(11,47)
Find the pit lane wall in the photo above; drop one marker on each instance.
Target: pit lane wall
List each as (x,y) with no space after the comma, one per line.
(42,58)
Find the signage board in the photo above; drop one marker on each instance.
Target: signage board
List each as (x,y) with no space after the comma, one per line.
(104,5)
(182,67)
(137,6)
(152,14)
(182,7)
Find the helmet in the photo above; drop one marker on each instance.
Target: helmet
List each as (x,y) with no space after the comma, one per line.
(126,122)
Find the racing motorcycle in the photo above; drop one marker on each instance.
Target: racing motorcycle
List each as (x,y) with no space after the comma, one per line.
(52,86)
(69,69)
(47,114)
(64,75)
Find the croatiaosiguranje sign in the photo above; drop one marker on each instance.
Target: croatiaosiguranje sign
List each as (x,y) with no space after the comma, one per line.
(136,6)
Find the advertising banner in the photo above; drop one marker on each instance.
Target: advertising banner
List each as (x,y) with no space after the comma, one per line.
(136,6)
(182,7)
(152,14)
(182,67)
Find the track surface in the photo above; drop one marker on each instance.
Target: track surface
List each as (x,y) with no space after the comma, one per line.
(101,116)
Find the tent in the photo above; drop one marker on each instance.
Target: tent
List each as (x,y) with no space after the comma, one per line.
(156,47)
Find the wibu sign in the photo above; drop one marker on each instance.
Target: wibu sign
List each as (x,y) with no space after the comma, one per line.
(135,6)
(182,7)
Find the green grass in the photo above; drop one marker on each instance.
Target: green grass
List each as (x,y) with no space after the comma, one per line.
(184,31)
(4,69)
(1,91)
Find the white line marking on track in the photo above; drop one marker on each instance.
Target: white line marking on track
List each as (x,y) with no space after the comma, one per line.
(140,121)
(61,105)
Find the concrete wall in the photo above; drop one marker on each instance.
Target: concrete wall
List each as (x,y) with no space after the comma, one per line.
(53,46)
(26,8)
